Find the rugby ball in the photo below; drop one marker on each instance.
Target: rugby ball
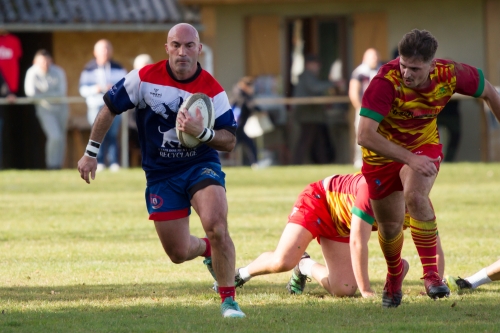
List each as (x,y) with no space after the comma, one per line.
(204,103)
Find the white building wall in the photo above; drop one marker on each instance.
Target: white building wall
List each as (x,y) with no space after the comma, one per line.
(457,24)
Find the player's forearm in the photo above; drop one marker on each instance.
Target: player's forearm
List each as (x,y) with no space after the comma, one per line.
(102,124)
(359,259)
(375,142)
(223,141)
(492,98)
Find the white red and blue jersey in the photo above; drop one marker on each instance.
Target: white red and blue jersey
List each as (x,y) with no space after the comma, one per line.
(157,96)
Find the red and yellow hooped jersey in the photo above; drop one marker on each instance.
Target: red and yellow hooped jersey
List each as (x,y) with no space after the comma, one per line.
(407,116)
(347,195)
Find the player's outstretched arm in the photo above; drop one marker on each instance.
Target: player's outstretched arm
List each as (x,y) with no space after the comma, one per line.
(87,165)
(492,98)
(358,243)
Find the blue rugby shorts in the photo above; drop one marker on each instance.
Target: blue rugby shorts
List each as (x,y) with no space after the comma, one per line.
(170,199)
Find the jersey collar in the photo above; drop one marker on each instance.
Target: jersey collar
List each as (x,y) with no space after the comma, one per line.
(191,79)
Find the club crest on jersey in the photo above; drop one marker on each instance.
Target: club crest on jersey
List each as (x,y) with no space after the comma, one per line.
(156,201)
(165,110)
(209,172)
(169,137)
(441,92)
(155,93)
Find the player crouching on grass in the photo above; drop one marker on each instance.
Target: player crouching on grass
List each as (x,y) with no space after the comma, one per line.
(178,178)
(337,212)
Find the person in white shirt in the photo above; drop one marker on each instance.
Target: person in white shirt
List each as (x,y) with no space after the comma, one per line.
(45,79)
(360,79)
(98,76)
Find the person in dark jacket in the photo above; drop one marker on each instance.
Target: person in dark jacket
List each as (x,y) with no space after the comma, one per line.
(243,106)
(314,143)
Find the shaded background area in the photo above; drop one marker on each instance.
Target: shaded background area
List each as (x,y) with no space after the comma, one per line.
(23,138)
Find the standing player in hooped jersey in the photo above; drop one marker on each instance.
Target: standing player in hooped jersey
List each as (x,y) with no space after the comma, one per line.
(178,177)
(402,153)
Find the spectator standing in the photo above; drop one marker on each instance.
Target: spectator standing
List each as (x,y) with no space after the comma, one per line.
(139,62)
(142,60)
(314,142)
(360,78)
(243,106)
(96,79)
(45,79)
(10,53)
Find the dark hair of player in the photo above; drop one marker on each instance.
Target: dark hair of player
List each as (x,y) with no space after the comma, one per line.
(418,43)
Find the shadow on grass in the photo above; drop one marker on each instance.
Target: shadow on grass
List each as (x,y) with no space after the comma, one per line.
(125,292)
(194,307)
(189,307)
(104,292)
(168,289)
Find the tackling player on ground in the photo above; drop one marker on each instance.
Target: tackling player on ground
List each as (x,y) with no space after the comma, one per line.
(178,177)
(336,211)
(484,276)
(402,153)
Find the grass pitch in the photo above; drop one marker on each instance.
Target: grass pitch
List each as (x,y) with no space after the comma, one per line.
(84,258)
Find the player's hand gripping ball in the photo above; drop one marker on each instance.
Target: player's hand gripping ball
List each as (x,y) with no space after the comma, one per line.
(206,107)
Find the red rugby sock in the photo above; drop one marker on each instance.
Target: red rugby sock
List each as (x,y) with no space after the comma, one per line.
(424,234)
(208,249)
(226,292)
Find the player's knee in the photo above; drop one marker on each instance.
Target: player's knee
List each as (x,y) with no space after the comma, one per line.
(345,290)
(415,199)
(389,230)
(217,232)
(177,257)
(177,260)
(282,265)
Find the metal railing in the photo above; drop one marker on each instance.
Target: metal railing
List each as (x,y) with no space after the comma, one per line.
(260,101)
(124,151)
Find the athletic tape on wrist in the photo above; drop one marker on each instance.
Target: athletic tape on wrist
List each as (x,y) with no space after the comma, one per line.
(207,135)
(92,148)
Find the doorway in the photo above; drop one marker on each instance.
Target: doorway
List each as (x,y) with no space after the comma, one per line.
(23,138)
(326,38)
